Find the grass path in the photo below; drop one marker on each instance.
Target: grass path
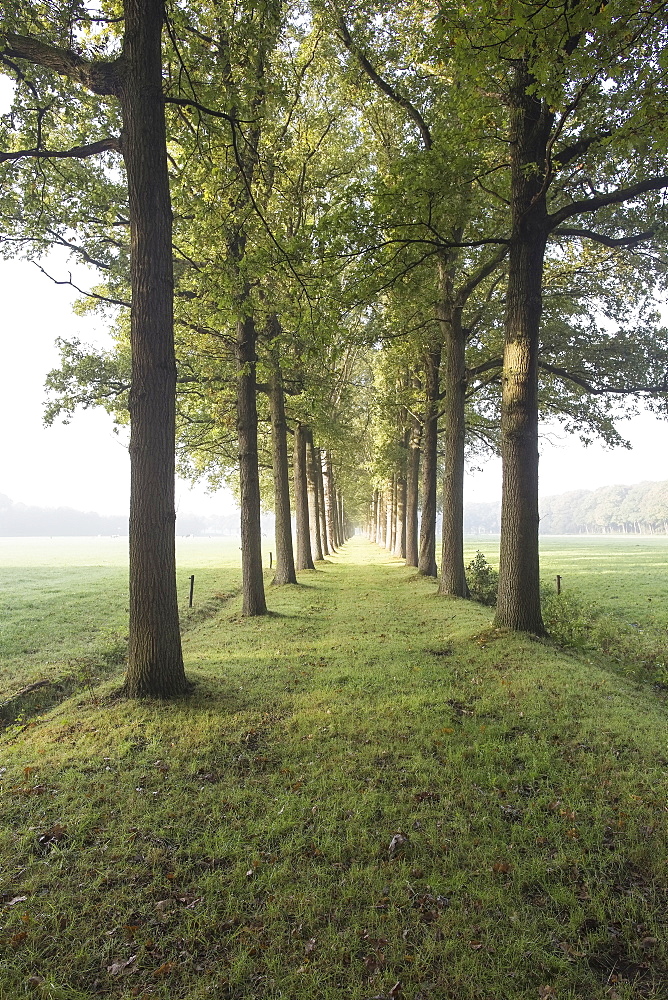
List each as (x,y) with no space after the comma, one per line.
(371,793)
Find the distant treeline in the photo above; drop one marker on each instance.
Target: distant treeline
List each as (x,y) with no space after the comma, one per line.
(641,509)
(18,519)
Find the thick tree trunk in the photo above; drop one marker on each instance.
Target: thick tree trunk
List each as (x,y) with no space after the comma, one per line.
(312,487)
(382,518)
(328,492)
(412,484)
(453,578)
(304,558)
(518,605)
(400,539)
(322,518)
(285,561)
(427,555)
(392,513)
(373,518)
(155,662)
(338,534)
(252,581)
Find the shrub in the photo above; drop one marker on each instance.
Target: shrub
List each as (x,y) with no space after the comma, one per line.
(482,580)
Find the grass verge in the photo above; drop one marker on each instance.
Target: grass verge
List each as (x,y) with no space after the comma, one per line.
(371,793)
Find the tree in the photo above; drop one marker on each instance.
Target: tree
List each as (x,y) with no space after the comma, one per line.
(134,78)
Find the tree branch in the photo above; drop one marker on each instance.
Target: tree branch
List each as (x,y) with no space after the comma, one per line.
(486,366)
(77,152)
(617,197)
(384,86)
(105,78)
(607,241)
(478,276)
(92,295)
(628,390)
(579,147)
(187,102)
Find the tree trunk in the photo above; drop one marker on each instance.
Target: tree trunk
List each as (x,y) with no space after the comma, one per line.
(382,518)
(285,561)
(155,662)
(391,513)
(312,488)
(412,483)
(453,578)
(518,605)
(322,518)
(373,525)
(338,536)
(427,555)
(304,558)
(400,540)
(252,581)
(330,515)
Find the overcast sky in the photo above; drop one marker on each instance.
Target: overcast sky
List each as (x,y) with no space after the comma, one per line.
(86,466)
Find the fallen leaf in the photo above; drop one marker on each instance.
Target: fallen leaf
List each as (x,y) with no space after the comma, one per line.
(16,939)
(121,965)
(16,899)
(397,844)
(164,969)
(309,946)
(502,867)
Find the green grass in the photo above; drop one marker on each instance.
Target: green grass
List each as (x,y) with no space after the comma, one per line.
(64,601)
(237,844)
(624,574)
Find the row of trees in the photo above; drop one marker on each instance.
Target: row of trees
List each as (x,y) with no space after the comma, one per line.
(379,236)
(640,509)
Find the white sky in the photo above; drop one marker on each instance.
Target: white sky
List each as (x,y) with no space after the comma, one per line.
(82,464)
(86,466)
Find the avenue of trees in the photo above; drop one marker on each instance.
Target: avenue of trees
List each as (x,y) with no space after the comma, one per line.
(340,245)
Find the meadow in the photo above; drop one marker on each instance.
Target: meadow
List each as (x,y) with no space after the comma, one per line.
(371,793)
(625,574)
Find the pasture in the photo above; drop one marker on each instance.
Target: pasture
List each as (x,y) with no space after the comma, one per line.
(370,793)
(64,601)
(624,574)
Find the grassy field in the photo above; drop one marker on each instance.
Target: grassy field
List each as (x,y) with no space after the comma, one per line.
(625,574)
(371,793)
(64,601)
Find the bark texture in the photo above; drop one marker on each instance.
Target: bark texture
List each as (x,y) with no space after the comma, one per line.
(399,548)
(304,558)
(155,664)
(322,518)
(312,487)
(254,602)
(518,605)
(285,561)
(330,501)
(412,486)
(453,578)
(391,513)
(427,554)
